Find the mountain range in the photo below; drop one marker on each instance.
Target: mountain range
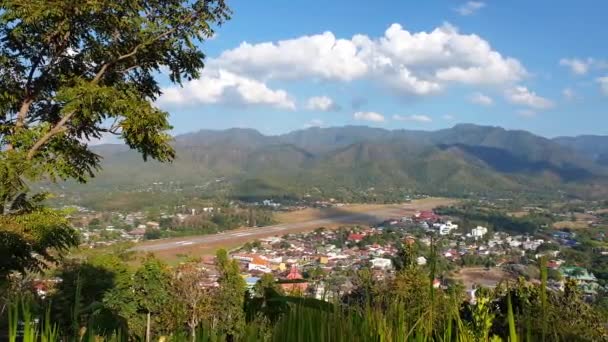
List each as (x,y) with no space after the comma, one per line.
(363,163)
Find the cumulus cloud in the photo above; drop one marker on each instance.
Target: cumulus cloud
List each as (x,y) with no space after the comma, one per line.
(414,63)
(603,81)
(414,118)
(368,116)
(576,65)
(322,103)
(322,55)
(470,7)
(222,87)
(522,96)
(481,99)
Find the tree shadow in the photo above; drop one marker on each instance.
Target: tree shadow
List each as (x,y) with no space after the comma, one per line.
(78,299)
(506,162)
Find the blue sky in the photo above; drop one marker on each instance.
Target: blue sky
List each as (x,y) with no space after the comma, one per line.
(283,65)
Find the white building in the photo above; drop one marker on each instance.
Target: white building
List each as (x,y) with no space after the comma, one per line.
(258,267)
(421,261)
(446,228)
(381,263)
(479,232)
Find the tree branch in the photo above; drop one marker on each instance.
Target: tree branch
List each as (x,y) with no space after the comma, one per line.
(60,126)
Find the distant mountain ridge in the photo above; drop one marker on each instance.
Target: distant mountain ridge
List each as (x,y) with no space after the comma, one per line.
(594,147)
(365,161)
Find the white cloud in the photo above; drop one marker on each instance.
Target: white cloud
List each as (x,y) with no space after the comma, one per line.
(568,93)
(223,87)
(414,118)
(522,96)
(321,55)
(448,117)
(314,123)
(603,81)
(470,7)
(322,103)
(414,63)
(576,65)
(481,99)
(527,113)
(369,116)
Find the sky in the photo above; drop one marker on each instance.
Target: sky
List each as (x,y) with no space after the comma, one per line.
(279,66)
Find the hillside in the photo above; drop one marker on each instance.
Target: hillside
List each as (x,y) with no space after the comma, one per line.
(594,147)
(359,163)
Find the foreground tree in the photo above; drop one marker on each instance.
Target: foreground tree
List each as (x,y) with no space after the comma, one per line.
(195,301)
(231,296)
(73,71)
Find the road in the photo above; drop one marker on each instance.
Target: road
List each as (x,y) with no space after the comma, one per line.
(370,217)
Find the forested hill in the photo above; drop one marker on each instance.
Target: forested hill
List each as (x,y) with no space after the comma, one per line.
(364,162)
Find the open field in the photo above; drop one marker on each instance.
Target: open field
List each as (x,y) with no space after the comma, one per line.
(313,214)
(292,222)
(481,276)
(571,224)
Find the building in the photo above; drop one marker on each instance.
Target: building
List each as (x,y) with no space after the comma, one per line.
(421,261)
(381,263)
(294,282)
(446,228)
(586,280)
(479,232)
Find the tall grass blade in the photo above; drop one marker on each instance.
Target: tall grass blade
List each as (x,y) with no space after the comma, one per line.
(511,320)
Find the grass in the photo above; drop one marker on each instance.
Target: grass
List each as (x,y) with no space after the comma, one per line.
(300,324)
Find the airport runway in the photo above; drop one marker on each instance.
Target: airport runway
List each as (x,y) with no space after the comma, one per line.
(371,217)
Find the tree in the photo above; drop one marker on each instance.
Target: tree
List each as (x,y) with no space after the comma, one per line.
(84,295)
(267,281)
(32,239)
(150,290)
(194,299)
(77,70)
(152,234)
(231,295)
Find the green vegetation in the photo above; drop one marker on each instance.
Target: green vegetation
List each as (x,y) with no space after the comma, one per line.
(497,220)
(353,164)
(104,297)
(72,72)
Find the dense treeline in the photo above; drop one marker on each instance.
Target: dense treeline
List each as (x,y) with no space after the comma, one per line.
(497,220)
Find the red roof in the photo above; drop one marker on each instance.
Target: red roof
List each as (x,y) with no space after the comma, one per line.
(355,237)
(294,274)
(426,215)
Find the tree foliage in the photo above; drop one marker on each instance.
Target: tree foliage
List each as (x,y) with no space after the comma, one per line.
(75,71)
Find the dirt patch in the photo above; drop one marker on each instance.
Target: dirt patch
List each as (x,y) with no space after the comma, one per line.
(313,213)
(571,224)
(481,276)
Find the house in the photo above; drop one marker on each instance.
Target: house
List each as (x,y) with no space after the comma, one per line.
(426,216)
(421,261)
(381,263)
(153,225)
(354,237)
(586,280)
(479,232)
(138,232)
(446,228)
